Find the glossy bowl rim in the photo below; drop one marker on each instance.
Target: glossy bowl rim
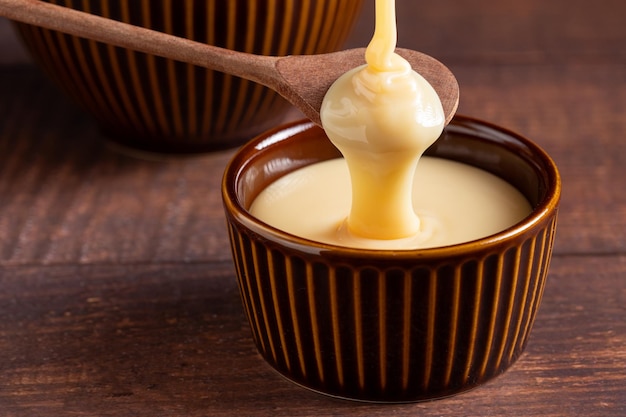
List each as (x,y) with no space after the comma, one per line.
(545,209)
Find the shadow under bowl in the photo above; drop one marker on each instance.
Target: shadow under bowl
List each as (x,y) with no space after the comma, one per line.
(396,325)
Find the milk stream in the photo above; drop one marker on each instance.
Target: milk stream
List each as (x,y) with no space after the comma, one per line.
(382,117)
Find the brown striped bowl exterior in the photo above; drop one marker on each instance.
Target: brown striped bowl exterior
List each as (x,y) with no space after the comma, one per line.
(157,104)
(392,326)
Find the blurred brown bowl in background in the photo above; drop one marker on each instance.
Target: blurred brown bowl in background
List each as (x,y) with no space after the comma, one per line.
(160,105)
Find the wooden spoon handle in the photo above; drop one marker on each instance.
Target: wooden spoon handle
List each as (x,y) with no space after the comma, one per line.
(257,68)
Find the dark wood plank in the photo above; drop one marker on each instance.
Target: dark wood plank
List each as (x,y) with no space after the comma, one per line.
(65,196)
(171,340)
(507,31)
(118,297)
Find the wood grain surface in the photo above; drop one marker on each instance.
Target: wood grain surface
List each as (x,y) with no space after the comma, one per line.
(117,292)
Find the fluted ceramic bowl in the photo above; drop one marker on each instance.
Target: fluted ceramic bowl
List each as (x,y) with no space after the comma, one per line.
(157,104)
(397,325)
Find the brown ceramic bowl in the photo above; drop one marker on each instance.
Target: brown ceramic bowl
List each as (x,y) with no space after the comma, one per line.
(392,326)
(157,104)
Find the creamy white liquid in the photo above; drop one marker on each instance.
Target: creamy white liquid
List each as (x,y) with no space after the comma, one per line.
(455,202)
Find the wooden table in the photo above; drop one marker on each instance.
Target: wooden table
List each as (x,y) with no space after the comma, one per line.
(117,292)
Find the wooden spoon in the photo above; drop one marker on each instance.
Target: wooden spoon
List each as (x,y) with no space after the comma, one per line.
(301,79)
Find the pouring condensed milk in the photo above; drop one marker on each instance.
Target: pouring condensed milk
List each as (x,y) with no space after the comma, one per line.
(383,194)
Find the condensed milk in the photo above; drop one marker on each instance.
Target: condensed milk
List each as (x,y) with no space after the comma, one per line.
(383,194)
